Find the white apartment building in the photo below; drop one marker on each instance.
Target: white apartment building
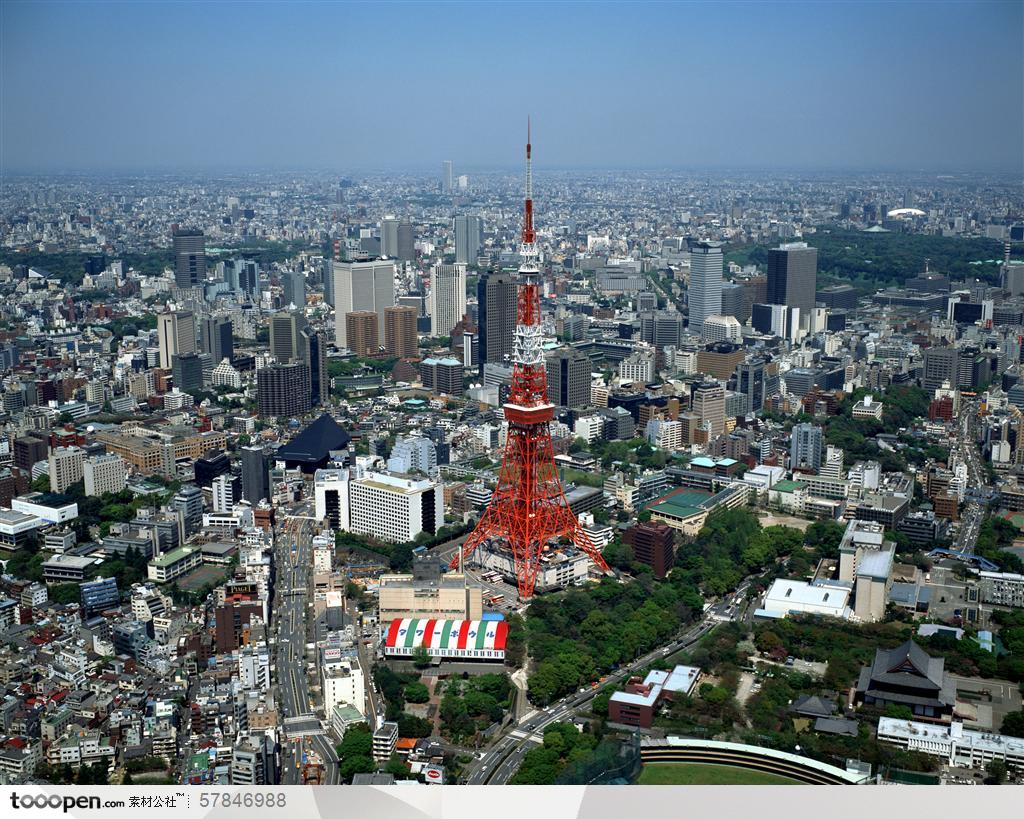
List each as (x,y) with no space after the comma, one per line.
(721,328)
(104,473)
(330,497)
(639,366)
(65,464)
(342,681)
(395,508)
(665,434)
(589,428)
(223,493)
(447,299)
(224,375)
(254,668)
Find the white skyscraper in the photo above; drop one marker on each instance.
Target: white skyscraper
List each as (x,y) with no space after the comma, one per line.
(447,297)
(362,286)
(705,294)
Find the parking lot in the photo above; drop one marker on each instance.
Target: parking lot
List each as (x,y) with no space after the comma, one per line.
(1001,696)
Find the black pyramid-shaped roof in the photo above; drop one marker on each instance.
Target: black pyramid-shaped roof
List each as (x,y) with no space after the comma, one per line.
(311,448)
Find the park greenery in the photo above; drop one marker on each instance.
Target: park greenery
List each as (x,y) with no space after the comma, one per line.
(469,706)
(870,261)
(994,535)
(576,636)
(69,266)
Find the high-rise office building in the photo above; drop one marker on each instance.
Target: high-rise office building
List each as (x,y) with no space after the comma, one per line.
(217,338)
(177,334)
(751,383)
(467,239)
(313,352)
(568,374)
(285,339)
(443,376)
(359,286)
(661,328)
(496,315)
(447,176)
(187,371)
(447,297)
(255,474)
(361,332)
(389,238)
(792,276)
(249,279)
(400,337)
(293,289)
(805,447)
(283,390)
(733,302)
(189,257)
(406,242)
(705,293)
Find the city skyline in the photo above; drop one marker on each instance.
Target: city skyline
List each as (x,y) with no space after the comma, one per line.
(801,86)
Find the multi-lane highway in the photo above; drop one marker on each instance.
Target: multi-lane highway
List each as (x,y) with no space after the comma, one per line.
(291,625)
(974,511)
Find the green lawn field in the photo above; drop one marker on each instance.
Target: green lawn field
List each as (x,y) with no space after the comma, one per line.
(693,773)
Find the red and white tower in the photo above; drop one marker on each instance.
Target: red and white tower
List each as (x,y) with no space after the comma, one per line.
(528,508)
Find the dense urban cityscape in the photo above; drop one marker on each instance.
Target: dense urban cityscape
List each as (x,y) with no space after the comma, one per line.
(526,476)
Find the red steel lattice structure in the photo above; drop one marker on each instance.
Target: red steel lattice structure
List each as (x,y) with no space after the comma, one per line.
(528,509)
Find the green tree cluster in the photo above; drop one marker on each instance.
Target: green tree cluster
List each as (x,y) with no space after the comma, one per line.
(355,752)
(469,706)
(563,746)
(576,635)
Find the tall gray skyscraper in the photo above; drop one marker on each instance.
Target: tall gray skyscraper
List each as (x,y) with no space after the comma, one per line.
(189,257)
(389,238)
(496,315)
(313,351)
(750,382)
(705,293)
(359,286)
(467,238)
(285,338)
(293,287)
(216,337)
(243,277)
(447,176)
(568,374)
(805,447)
(793,275)
(255,474)
(406,242)
(177,334)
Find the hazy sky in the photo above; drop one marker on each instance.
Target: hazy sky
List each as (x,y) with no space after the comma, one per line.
(923,85)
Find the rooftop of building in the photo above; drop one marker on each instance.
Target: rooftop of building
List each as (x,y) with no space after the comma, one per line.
(173,556)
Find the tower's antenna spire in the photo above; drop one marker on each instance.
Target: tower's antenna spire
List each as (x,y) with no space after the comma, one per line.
(528,235)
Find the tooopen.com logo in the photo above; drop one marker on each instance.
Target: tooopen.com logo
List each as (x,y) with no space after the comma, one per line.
(55,801)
